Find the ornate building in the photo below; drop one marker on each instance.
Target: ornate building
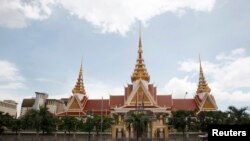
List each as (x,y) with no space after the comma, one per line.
(139,94)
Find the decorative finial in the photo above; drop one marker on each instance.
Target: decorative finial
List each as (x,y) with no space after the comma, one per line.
(201,71)
(79,87)
(202,86)
(140,71)
(140,44)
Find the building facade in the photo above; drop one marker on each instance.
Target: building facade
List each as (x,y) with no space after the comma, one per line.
(9,106)
(41,99)
(141,95)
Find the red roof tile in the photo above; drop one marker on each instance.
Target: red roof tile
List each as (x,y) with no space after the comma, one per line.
(144,106)
(70,114)
(116,100)
(164,100)
(184,104)
(104,113)
(96,104)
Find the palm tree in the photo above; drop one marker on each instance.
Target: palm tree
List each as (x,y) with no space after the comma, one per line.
(97,122)
(46,120)
(107,122)
(139,122)
(115,117)
(211,117)
(89,125)
(31,120)
(128,126)
(238,116)
(80,124)
(5,121)
(16,125)
(69,123)
(37,120)
(181,120)
(57,122)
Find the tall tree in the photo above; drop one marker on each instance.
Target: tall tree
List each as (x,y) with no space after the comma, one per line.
(5,121)
(238,116)
(57,122)
(211,117)
(129,126)
(107,122)
(16,125)
(46,118)
(139,122)
(97,122)
(69,123)
(31,120)
(39,120)
(181,120)
(89,125)
(80,125)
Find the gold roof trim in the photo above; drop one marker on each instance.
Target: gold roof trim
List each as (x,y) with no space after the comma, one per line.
(140,71)
(79,87)
(202,86)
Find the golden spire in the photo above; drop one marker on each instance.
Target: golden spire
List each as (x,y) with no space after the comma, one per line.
(140,71)
(79,87)
(202,86)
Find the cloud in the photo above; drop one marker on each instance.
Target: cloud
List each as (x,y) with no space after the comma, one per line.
(49,80)
(10,82)
(9,71)
(17,13)
(119,15)
(228,77)
(116,16)
(97,89)
(178,87)
(12,85)
(10,78)
(232,55)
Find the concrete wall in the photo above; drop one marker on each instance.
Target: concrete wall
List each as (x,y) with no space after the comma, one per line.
(40,100)
(24,110)
(7,107)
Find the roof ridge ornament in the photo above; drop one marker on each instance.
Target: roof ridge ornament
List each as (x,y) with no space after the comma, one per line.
(79,87)
(140,71)
(202,85)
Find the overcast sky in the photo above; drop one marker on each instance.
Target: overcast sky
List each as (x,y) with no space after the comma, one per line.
(42,43)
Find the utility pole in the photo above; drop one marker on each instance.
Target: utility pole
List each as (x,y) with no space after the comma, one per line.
(101,118)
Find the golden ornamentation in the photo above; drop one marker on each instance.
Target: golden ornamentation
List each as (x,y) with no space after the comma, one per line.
(79,87)
(202,86)
(140,71)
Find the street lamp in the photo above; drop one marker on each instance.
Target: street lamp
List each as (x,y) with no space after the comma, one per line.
(184,100)
(185,95)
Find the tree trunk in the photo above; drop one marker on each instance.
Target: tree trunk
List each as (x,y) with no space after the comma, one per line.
(137,136)
(129,134)
(183,131)
(89,136)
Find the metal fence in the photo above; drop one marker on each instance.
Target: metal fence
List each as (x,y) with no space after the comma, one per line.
(84,137)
